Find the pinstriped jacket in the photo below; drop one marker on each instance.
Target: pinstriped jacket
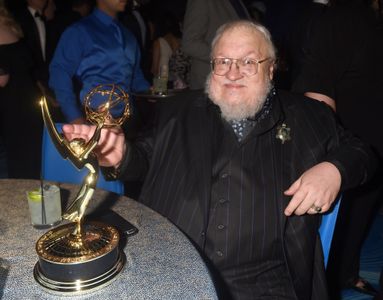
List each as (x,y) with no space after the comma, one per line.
(176,165)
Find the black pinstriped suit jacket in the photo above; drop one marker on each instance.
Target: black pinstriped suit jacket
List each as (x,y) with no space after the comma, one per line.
(176,162)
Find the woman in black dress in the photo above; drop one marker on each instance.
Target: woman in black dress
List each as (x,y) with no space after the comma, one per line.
(20,118)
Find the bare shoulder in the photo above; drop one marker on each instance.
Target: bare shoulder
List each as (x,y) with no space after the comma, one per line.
(7,36)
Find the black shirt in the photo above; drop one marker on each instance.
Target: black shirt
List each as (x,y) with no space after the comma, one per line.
(344,61)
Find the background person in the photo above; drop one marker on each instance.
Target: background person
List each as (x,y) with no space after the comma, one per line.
(33,18)
(19,96)
(167,51)
(96,50)
(202,19)
(342,68)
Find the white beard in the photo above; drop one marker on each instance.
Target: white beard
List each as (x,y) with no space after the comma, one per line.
(238,111)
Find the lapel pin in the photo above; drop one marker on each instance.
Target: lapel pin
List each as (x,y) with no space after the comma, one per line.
(283,133)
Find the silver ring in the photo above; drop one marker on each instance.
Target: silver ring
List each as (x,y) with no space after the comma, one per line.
(317,209)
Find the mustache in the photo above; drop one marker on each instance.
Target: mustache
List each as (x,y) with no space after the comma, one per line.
(236,82)
(232,83)
(226,81)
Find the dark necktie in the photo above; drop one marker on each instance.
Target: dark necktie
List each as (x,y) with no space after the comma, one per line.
(40,16)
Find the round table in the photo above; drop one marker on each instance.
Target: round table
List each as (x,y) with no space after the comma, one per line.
(161,262)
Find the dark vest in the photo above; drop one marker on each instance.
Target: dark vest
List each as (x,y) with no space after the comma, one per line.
(253,256)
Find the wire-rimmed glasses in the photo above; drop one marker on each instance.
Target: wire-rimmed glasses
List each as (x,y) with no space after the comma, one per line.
(246,66)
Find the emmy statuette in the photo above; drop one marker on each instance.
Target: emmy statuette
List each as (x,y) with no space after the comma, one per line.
(82,256)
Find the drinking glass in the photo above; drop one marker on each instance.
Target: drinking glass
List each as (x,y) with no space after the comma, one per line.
(45,206)
(160,82)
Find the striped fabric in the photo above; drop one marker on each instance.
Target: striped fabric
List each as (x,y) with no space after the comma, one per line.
(227,197)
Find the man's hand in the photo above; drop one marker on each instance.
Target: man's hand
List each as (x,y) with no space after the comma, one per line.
(314,191)
(111,146)
(79,120)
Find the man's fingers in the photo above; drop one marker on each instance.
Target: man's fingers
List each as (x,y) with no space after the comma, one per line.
(309,204)
(316,191)
(294,203)
(293,188)
(319,208)
(72,131)
(68,128)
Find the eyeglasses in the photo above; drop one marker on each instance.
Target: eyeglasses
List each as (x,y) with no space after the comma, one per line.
(246,66)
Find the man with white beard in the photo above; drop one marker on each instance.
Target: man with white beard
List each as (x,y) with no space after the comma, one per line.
(244,171)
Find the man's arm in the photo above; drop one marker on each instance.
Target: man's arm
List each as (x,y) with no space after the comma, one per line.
(115,154)
(111,145)
(194,30)
(321,97)
(63,67)
(317,187)
(348,163)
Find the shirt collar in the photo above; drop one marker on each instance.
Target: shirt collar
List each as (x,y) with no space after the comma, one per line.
(32,11)
(273,117)
(103,17)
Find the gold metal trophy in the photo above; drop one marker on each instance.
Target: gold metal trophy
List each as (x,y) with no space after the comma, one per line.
(81,256)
